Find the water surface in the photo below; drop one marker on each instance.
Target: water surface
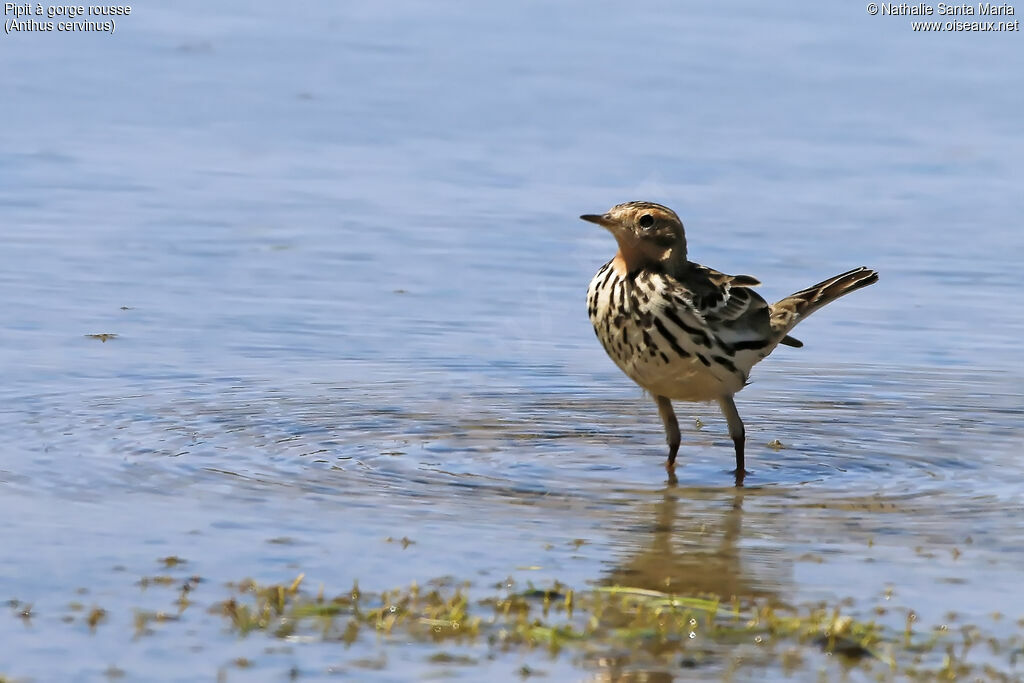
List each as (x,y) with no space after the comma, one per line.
(338,248)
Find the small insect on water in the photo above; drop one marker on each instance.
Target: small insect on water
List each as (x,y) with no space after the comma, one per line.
(683,331)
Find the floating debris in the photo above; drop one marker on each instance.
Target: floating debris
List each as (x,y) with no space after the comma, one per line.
(405,541)
(96,616)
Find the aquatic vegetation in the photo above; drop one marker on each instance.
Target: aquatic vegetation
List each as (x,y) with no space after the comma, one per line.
(96,616)
(610,626)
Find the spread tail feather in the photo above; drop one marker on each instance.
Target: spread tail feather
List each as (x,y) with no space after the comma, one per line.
(797,306)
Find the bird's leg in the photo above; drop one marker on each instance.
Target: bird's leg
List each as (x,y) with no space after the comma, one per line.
(668,418)
(737,433)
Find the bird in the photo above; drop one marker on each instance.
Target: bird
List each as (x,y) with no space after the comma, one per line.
(686,332)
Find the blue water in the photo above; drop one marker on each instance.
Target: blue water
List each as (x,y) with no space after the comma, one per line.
(338,246)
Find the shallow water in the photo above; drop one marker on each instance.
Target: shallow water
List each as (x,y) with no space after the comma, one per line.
(338,248)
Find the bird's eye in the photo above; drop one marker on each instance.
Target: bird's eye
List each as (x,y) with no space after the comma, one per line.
(646,221)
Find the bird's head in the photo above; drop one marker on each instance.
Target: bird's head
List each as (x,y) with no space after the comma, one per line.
(649,234)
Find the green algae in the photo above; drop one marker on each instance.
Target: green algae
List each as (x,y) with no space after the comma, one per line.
(637,624)
(619,630)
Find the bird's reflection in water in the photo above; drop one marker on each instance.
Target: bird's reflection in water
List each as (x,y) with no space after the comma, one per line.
(696,546)
(693,542)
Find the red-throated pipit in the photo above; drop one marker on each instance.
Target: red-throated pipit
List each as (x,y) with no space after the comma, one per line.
(684,331)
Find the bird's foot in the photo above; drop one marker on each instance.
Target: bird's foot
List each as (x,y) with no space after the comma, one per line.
(670,467)
(739,474)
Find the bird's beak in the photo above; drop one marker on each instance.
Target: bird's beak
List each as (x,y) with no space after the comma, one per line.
(623,235)
(602,220)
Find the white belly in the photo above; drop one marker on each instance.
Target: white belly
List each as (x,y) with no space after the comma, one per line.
(664,359)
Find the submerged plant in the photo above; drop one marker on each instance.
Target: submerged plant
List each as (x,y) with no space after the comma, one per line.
(635,623)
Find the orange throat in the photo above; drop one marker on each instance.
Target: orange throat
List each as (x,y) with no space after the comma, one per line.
(628,258)
(634,255)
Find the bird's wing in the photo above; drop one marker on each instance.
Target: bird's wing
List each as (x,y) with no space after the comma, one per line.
(724,298)
(727,305)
